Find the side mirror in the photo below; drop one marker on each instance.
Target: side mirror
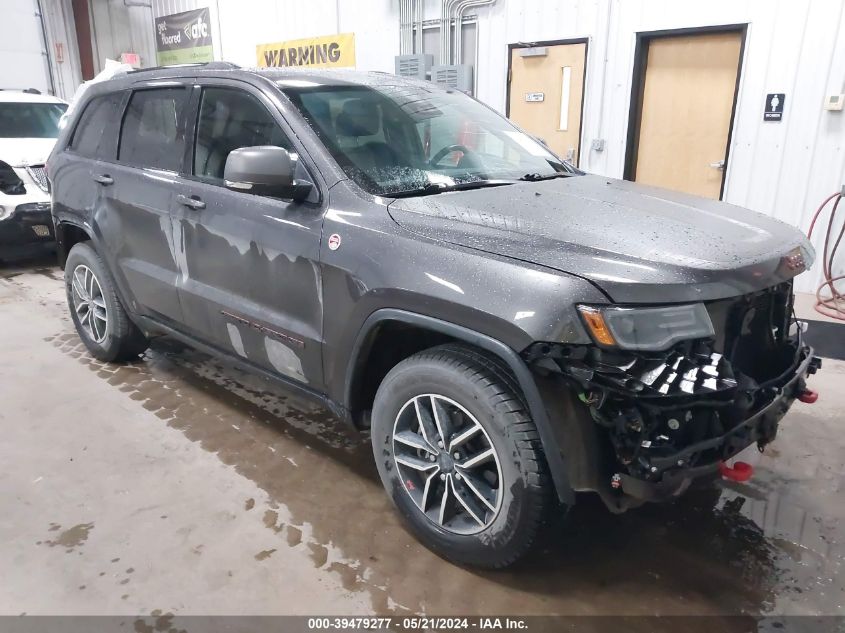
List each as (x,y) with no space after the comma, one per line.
(265,170)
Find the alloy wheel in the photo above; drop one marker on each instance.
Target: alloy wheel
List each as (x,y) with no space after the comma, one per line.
(448,464)
(89,303)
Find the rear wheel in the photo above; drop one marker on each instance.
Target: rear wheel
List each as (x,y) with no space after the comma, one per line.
(97,314)
(460,457)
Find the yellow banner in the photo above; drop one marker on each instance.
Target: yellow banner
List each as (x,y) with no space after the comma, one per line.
(329,51)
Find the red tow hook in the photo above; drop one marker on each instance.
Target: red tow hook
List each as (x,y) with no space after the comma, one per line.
(741,471)
(808,396)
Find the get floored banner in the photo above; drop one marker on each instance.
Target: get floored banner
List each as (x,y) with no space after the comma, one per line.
(184,38)
(329,51)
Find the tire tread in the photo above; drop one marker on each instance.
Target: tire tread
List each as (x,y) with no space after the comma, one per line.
(499,385)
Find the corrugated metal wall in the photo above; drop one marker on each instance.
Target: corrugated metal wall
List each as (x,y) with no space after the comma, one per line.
(793,46)
(22,48)
(58,22)
(117,28)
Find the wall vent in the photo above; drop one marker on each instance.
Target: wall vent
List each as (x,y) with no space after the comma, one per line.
(417,66)
(454,76)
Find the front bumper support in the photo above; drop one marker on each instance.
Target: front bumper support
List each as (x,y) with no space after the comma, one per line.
(761,427)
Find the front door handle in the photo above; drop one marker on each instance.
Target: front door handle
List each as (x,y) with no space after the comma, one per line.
(104,179)
(191,203)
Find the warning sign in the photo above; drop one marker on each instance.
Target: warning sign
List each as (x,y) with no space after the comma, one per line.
(317,52)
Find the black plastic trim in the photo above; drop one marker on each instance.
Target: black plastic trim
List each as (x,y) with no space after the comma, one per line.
(521,372)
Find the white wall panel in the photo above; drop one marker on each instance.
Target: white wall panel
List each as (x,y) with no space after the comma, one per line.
(58,22)
(242,24)
(22,62)
(117,29)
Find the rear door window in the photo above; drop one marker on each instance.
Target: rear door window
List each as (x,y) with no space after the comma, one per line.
(230,119)
(88,138)
(152,134)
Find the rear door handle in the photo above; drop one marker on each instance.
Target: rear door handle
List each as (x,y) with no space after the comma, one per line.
(191,203)
(104,179)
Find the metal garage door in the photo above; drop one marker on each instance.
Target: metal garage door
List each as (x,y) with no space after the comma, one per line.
(23,63)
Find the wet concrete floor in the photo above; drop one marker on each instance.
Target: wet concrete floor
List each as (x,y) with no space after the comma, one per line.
(180,484)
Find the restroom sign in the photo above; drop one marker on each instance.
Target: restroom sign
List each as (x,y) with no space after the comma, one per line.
(774,106)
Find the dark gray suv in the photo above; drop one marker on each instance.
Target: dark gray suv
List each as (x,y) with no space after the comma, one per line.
(509,329)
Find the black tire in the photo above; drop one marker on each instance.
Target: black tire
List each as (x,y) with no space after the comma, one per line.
(485,389)
(121,339)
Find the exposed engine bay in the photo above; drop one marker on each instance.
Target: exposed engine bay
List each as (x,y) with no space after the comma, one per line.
(673,415)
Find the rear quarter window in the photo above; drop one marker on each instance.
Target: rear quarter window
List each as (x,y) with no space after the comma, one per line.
(152,134)
(89,137)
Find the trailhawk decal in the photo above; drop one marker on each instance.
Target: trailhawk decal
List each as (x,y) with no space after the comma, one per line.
(263,329)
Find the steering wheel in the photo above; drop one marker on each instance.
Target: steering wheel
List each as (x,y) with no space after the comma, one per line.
(435,160)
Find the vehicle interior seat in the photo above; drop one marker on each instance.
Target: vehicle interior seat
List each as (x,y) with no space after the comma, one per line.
(230,126)
(359,128)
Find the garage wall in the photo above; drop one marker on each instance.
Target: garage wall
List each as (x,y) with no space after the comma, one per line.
(793,46)
(23,63)
(241,24)
(118,28)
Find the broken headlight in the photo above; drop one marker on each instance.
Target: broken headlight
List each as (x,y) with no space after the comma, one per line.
(652,328)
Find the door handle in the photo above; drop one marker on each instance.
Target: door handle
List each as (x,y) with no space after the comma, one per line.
(104,179)
(719,164)
(191,203)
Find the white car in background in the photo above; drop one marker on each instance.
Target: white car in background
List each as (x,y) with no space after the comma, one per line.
(29,125)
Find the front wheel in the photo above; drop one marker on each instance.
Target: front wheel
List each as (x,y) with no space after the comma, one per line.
(97,314)
(460,457)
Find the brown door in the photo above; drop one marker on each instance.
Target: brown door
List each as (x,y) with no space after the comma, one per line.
(688,97)
(546,87)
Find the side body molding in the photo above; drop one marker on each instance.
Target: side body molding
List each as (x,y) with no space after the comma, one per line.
(554,458)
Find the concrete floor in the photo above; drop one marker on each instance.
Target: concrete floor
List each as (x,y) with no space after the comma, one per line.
(180,484)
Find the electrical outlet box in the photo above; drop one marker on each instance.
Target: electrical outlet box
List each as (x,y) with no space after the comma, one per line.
(418,66)
(455,76)
(597,144)
(834,103)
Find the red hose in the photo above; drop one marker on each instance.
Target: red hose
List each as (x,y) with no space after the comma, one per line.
(832,306)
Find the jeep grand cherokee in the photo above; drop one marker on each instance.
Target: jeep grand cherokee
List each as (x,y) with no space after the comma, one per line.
(509,329)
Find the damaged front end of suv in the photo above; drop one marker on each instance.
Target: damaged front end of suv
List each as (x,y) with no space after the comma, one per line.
(674,391)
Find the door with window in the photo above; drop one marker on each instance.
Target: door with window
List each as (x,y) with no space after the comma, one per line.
(138,189)
(250,264)
(546,88)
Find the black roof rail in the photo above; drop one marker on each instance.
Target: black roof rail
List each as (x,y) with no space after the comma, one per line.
(205,65)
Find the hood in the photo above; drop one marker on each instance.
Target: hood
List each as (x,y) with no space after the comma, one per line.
(638,244)
(23,152)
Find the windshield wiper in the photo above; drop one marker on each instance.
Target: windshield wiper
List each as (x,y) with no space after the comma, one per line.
(536,177)
(433,188)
